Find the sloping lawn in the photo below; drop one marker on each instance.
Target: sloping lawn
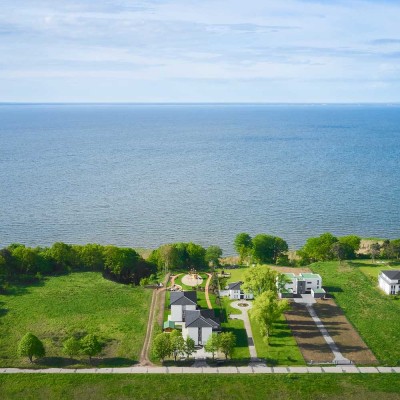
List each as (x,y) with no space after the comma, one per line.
(375,316)
(76,303)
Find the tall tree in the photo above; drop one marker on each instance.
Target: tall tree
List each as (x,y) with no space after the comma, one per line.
(169,257)
(267,248)
(213,344)
(227,343)
(318,248)
(30,346)
(243,245)
(375,251)
(213,254)
(162,346)
(196,255)
(351,245)
(267,309)
(260,279)
(177,343)
(339,251)
(190,347)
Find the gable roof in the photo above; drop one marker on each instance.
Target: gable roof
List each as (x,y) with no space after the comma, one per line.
(235,285)
(201,319)
(392,275)
(183,298)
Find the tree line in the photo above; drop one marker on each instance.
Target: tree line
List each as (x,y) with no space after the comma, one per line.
(125,265)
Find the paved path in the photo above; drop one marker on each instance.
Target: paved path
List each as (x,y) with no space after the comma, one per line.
(339,358)
(210,370)
(245,318)
(206,291)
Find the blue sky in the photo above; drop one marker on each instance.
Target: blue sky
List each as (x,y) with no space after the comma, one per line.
(199,51)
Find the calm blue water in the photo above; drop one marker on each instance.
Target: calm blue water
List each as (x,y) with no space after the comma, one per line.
(141,175)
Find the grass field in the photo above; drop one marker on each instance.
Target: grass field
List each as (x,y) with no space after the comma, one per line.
(374,314)
(200,387)
(75,303)
(373,269)
(282,349)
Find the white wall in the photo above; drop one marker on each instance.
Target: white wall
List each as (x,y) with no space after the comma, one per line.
(206,333)
(176,313)
(387,287)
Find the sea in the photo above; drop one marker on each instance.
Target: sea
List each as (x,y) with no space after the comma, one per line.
(141,175)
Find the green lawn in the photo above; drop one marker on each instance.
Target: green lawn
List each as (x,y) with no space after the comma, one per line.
(200,387)
(374,314)
(75,303)
(282,349)
(373,269)
(236,274)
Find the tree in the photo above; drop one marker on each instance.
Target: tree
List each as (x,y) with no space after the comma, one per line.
(190,347)
(213,344)
(260,279)
(267,309)
(318,248)
(90,346)
(177,343)
(213,254)
(227,343)
(72,347)
(162,346)
(30,346)
(375,250)
(196,254)
(243,245)
(391,249)
(91,256)
(169,257)
(267,248)
(351,245)
(339,251)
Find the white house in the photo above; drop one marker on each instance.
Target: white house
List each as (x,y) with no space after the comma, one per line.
(234,291)
(303,283)
(181,302)
(199,325)
(389,281)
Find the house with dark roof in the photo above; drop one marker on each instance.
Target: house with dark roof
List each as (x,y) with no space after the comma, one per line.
(389,281)
(235,292)
(199,325)
(180,303)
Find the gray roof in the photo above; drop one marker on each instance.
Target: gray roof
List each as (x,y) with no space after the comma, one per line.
(201,319)
(235,285)
(392,275)
(183,298)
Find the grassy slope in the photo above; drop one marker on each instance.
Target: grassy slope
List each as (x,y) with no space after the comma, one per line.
(78,302)
(374,315)
(200,387)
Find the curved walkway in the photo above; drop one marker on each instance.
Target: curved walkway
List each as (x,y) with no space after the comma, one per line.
(245,318)
(206,291)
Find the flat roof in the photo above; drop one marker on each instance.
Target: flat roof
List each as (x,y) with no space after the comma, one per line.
(290,275)
(308,275)
(318,290)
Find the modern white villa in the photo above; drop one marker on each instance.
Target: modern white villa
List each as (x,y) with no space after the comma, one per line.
(198,324)
(235,292)
(303,283)
(389,281)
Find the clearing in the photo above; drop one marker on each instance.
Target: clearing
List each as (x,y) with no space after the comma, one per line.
(77,303)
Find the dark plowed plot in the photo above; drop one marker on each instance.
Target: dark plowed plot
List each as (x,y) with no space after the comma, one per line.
(342,332)
(308,337)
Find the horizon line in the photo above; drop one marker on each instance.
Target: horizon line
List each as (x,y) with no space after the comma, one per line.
(396,103)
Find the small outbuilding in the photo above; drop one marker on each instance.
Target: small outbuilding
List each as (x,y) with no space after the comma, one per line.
(389,281)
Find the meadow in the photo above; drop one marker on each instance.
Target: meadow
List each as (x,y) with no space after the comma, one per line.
(374,314)
(74,304)
(200,387)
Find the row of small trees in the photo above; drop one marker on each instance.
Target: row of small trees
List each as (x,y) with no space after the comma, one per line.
(169,257)
(31,346)
(174,345)
(124,265)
